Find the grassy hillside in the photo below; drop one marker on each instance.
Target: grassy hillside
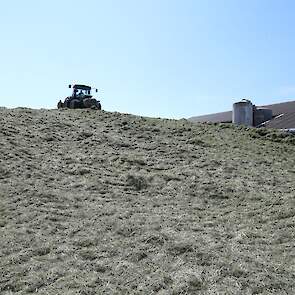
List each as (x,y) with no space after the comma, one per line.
(108,203)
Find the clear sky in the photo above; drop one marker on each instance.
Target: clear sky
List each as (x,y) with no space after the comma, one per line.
(160,58)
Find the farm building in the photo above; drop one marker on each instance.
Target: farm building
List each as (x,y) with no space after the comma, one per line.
(279,116)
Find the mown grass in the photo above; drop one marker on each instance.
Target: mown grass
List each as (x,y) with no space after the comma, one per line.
(109,203)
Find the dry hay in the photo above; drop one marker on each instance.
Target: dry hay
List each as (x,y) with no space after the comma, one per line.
(107,203)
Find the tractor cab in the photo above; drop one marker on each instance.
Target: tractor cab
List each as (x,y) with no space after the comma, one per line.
(81,91)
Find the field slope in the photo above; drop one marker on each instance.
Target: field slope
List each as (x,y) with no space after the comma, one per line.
(108,203)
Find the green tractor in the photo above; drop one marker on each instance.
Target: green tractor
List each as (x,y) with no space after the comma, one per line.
(81,98)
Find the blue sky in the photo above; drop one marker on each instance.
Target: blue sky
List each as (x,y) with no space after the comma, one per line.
(160,58)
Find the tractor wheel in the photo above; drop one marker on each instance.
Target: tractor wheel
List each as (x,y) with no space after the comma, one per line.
(74,104)
(87,103)
(92,103)
(95,104)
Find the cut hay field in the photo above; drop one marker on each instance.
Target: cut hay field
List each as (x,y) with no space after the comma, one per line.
(107,203)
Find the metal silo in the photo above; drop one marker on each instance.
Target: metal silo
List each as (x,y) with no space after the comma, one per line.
(243,113)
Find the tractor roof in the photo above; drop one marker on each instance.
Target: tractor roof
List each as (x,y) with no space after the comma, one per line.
(83,87)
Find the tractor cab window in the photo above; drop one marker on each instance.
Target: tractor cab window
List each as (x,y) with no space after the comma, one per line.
(82,92)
